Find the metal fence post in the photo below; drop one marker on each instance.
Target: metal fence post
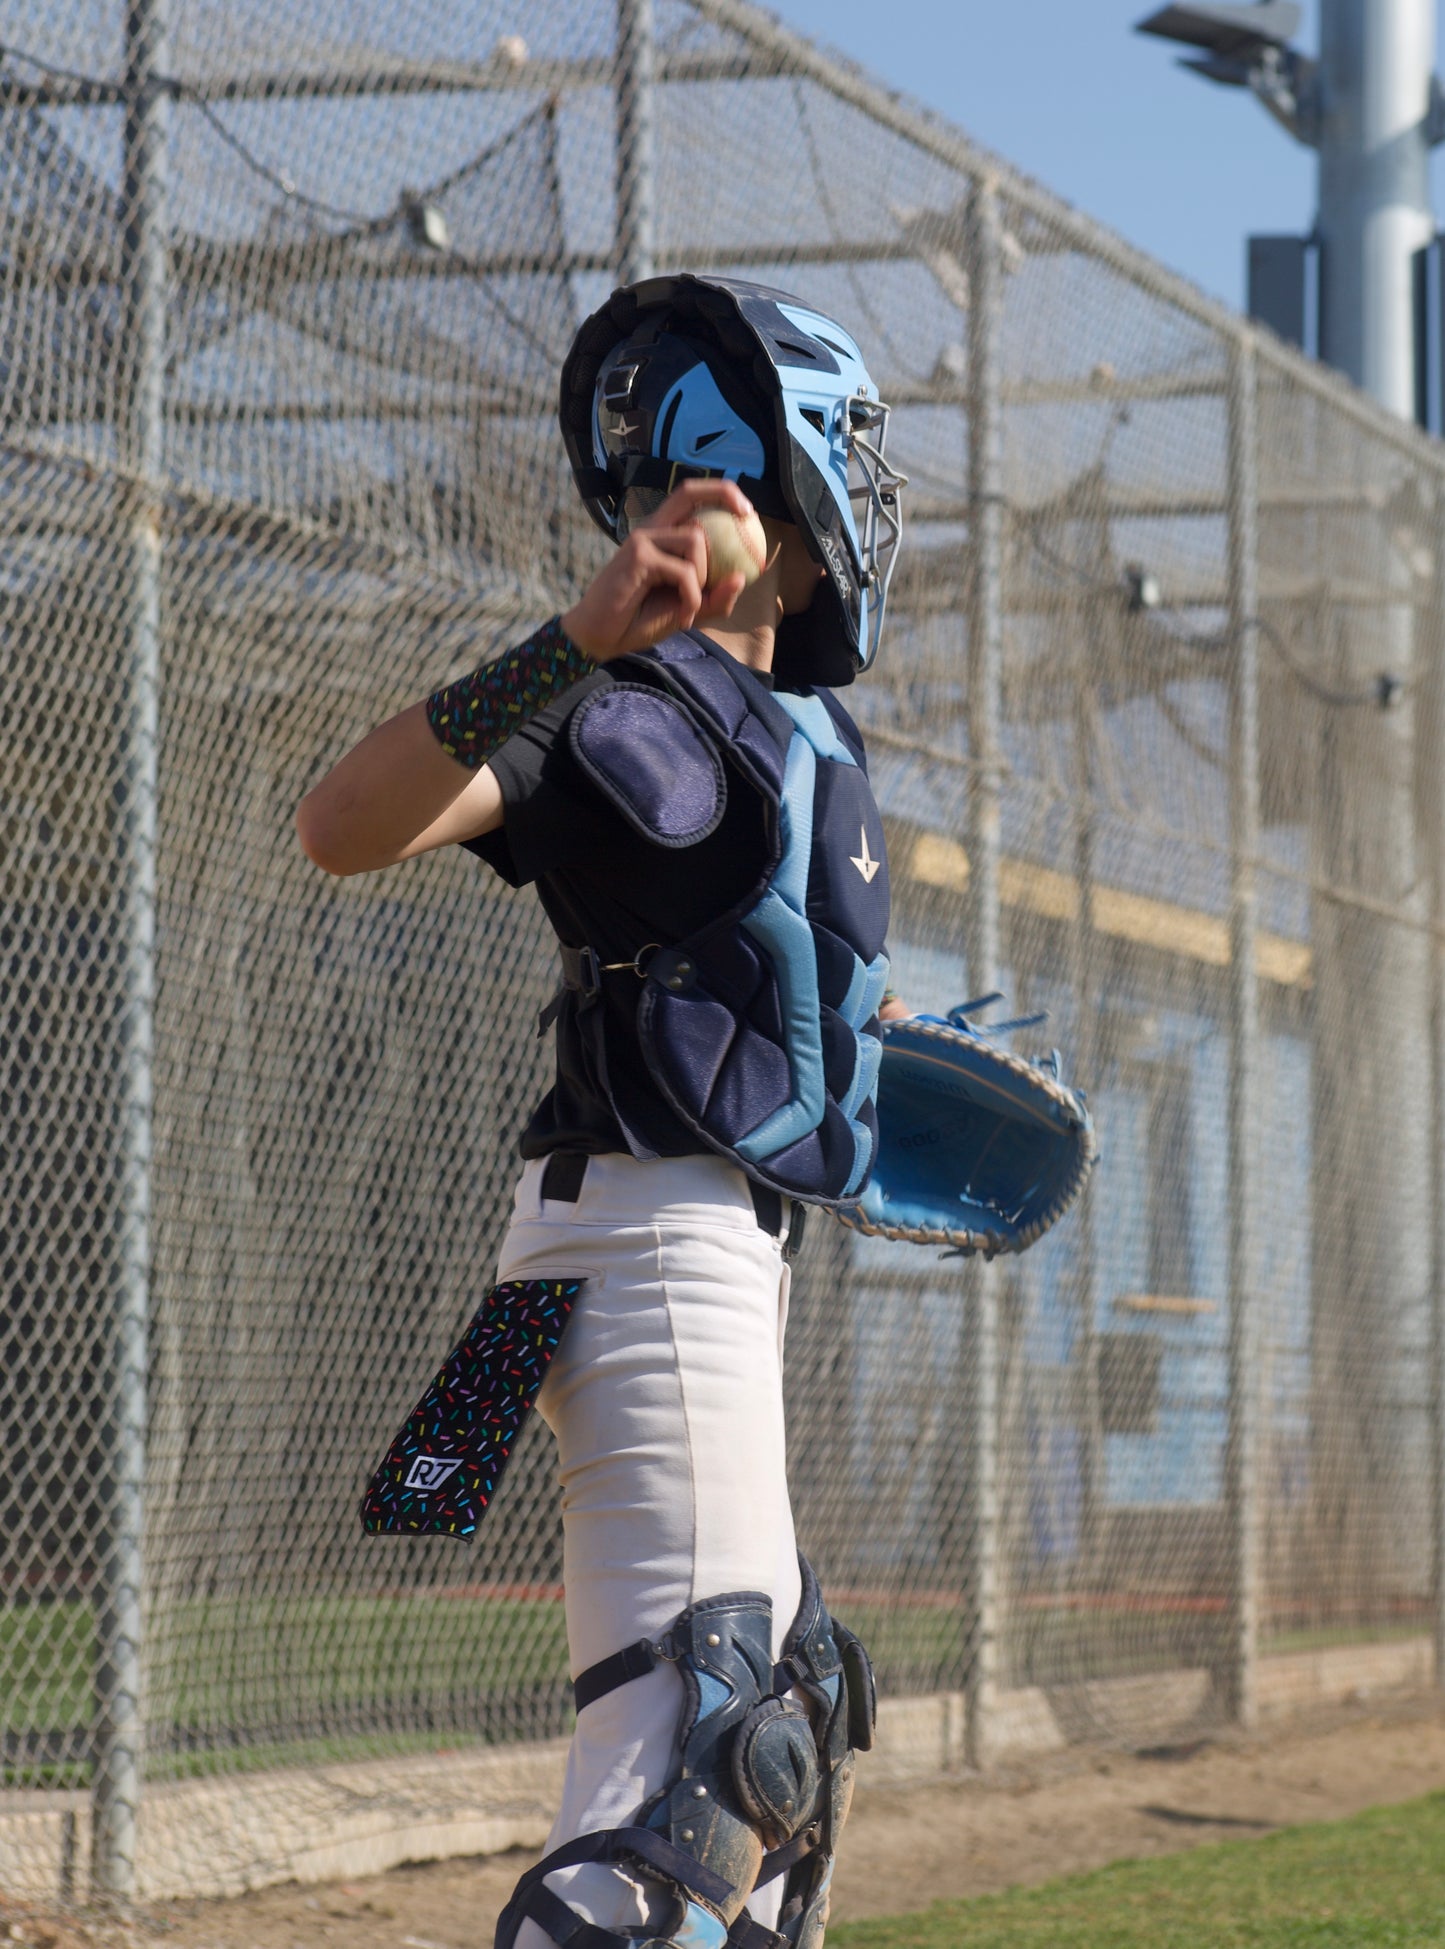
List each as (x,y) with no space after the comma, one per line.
(1429,751)
(636,74)
(120,1595)
(1083,973)
(984,942)
(1242,1491)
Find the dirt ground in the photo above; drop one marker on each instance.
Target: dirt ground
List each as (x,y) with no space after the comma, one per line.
(905,1846)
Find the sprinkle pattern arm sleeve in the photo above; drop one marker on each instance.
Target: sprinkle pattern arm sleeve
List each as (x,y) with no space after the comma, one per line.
(475,716)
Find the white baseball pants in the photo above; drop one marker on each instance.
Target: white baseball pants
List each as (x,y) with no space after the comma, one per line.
(666,1400)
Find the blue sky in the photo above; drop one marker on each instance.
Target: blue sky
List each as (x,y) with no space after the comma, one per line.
(1067,92)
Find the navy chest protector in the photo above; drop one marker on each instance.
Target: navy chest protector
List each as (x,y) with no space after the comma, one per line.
(761,1029)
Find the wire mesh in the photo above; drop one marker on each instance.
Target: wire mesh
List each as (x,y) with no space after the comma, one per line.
(381,231)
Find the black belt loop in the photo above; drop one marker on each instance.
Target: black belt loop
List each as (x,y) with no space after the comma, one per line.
(581,975)
(581,970)
(768,1206)
(562,1176)
(779,1217)
(793,1244)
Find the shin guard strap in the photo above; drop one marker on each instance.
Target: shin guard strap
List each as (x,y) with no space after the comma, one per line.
(635,1661)
(782,1858)
(609,1844)
(745,1933)
(567,1928)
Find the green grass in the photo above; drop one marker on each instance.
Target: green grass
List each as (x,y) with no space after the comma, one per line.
(1375,1882)
(270,1661)
(300,1677)
(306,1677)
(1324,1637)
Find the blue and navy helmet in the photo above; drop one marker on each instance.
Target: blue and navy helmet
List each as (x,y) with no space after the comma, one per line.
(689,375)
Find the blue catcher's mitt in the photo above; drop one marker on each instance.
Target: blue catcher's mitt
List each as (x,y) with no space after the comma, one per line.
(978,1149)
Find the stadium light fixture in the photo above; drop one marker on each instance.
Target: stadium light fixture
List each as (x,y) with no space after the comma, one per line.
(1233,33)
(1247,47)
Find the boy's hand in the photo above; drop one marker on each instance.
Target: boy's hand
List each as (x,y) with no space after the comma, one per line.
(656,583)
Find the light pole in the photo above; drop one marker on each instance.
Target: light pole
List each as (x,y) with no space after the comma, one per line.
(1376,86)
(1371,108)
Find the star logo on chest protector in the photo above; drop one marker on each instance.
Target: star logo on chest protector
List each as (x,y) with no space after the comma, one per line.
(866,865)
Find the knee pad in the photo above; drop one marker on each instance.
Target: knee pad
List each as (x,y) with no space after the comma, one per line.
(759,1785)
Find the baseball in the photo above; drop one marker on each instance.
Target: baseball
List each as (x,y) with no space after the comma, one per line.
(735,544)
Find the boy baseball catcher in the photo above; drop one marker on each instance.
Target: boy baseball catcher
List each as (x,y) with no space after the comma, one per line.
(668,764)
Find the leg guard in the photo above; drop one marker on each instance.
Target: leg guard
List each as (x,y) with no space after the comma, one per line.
(760,1784)
(825,1662)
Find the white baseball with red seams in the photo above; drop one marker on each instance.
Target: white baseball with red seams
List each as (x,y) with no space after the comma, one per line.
(736,544)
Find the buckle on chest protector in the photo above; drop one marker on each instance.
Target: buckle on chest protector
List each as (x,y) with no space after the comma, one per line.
(582,974)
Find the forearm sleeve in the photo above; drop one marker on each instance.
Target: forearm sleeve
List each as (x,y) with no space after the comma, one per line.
(475,716)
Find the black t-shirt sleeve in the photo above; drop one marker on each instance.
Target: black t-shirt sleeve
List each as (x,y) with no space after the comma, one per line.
(553,818)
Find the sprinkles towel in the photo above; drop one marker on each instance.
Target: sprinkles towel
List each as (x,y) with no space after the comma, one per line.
(443,1468)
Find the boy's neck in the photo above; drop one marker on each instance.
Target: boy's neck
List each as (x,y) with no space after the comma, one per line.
(750,632)
(752,647)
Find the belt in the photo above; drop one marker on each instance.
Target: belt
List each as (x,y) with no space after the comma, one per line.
(778,1216)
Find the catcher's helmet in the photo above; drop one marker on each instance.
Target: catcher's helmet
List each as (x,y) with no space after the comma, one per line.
(689,375)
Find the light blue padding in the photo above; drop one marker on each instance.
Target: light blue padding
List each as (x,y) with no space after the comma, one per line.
(787,939)
(865,1078)
(795,818)
(703,410)
(713,1694)
(863,1000)
(862,1141)
(779,923)
(875,980)
(865,1074)
(865,989)
(700,1930)
(812,718)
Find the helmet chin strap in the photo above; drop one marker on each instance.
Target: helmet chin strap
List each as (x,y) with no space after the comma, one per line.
(809,648)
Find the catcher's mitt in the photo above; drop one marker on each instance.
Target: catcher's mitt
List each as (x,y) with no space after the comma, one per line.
(978,1149)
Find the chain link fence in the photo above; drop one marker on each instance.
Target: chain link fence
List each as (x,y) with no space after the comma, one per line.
(284,291)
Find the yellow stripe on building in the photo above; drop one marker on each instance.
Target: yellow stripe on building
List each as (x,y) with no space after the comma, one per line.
(938,861)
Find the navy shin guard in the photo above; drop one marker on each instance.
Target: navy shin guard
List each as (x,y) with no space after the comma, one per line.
(760,1786)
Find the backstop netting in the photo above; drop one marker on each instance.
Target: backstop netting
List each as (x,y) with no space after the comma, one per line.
(284,291)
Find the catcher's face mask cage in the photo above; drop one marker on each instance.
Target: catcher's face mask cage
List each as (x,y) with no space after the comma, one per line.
(690,375)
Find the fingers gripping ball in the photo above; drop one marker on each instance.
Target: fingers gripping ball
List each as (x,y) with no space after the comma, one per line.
(736,544)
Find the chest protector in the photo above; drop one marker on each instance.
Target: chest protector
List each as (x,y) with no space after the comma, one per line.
(761,1029)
